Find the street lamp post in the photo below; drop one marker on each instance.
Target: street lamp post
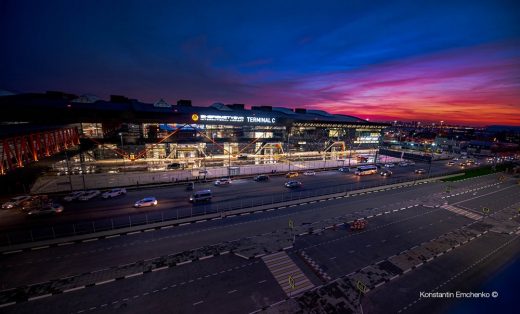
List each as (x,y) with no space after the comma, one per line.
(122,149)
(68,169)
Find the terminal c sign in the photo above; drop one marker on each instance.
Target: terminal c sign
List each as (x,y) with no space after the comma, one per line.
(239,119)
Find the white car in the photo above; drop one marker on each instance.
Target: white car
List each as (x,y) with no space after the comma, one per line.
(222,181)
(403,164)
(89,195)
(146,202)
(389,165)
(73,196)
(113,193)
(309,173)
(15,201)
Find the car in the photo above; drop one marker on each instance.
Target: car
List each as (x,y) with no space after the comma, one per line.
(462,164)
(242,157)
(309,173)
(455,159)
(223,181)
(89,195)
(389,165)
(146,202)
(293,184)
(420,171)
(15,201)
(201,196)
(261,177)
(114,193)
(386,173)
(403,164)
(53,208)
(451,163)
(411,163)
(344,169)
(291,174)
(73,196)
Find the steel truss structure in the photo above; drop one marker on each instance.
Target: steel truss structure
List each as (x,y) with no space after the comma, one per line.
(18,151)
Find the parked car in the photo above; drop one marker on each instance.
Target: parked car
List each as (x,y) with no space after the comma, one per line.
(403,164)
(261,177)
(73,196)
(51,209)
(15,201)
(146,202)
(386,173)
(420,171)
(293,184)
(451,163)
(291,174)
(309,173)
(344,169)
(223,181)
(89,195)
(114,193)
(389,165)
(242,157)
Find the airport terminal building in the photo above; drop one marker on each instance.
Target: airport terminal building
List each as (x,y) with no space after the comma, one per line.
(182,131)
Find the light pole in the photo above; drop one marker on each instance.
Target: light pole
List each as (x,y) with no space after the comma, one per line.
(288,149)
(68,169)
(122,149)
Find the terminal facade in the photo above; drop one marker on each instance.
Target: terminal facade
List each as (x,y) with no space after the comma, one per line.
(128,128)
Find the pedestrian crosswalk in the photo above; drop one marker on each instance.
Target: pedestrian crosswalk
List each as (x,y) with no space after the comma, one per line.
(288,275)
(462,212)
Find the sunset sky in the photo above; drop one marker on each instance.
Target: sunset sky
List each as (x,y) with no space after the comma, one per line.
(457,61)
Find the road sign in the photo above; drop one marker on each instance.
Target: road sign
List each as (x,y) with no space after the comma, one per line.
(292,284)
(361,286)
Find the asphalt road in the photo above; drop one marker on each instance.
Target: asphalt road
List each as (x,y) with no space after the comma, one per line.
(173,201)
(399,219)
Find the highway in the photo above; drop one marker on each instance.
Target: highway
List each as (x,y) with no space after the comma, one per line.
(173,201)
(242,264)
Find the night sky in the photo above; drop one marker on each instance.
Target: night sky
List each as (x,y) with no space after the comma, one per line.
(457,61)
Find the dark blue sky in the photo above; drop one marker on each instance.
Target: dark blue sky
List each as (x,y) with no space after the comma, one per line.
(293,53)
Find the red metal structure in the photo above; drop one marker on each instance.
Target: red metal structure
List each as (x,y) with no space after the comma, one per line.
(20,150)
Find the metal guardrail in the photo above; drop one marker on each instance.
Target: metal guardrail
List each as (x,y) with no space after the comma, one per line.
(81,228)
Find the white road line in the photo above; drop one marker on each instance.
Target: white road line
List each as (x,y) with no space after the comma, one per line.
(182,263)
(104,282)
(40,297)
(73,289)
(112,236)
(39,248)
(65,243)
(197,303)
(133,275)
(159,268)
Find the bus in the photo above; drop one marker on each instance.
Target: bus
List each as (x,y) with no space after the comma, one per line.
(365,170)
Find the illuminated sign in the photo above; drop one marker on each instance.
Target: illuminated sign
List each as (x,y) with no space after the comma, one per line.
(195,117)
(367,139)
(221,118)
